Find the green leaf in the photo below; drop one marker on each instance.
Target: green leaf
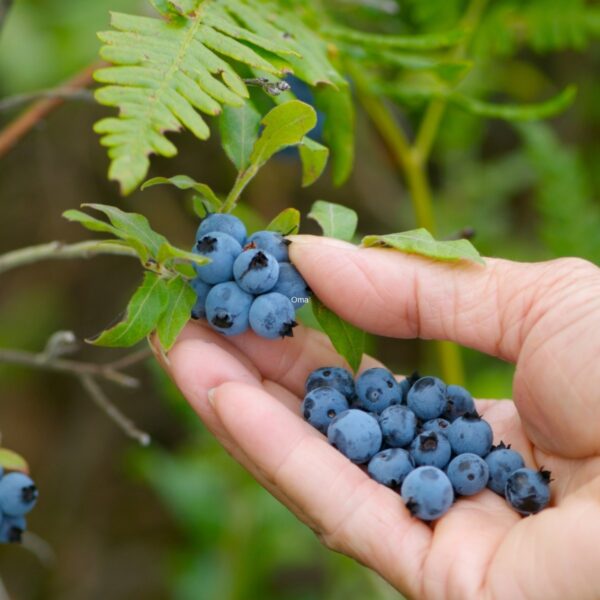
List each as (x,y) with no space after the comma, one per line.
(143,312)
(132,226)
(420,241)
(517,112)
(168,252)
(180,301)
(284,125)
(286,222)
(430,41)
(314,160)
(239,127)
(348,340)
(91,223)
(183,182)
(336,221)
(338,128)
(11,461)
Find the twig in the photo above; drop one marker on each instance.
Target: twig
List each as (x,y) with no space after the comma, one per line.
(123,422)
(41,109)
(130,359)
(54,250)
(61,365)
(272,88)
(5,6)
(63,94)
(40,548)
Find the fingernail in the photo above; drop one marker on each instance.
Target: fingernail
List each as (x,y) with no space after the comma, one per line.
(212,396)
(315,240)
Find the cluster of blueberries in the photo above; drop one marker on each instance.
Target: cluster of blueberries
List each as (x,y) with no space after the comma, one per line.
(18,495)
(420,437)
(249,283)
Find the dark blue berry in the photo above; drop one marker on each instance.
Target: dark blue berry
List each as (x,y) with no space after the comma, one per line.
(376,389)
(272,316)
(398,425)
(335,377)
(528,491)
(502,461)
(390,467)
(470,433)
(201,288)
(272,242)
(427,398)
(321,405)
(18,494)
(437,425)
(427,492)
(356,434)
(430,448)
(222,250)
(224,223)
(468,473)
(11,529)
(292,285)
(228,308)
(459,402)
(256,271)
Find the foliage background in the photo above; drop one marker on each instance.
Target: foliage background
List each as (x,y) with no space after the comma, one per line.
(180,519)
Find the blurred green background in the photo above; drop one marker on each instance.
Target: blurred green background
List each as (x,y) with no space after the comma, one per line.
(180,519)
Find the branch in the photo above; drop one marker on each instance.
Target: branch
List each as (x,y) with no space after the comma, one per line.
(63,94)
(113,413)
(41,109)
(59,250)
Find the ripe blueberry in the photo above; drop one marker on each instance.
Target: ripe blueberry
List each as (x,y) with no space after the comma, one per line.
(459,402)
(430,448)
(502,461)
(437,425)
(389,467)
(272,242)
(470,433)
(356,434)
(468,473)
(272,316)
(427,398)
(201,288)
(18,494)
(528,491)
(376,389)
(398,425)
(321,405)
(427,492)
(11,529)
(292,285)
(224,223)
(335,377)
(222,250)
(227,308)
(256,271)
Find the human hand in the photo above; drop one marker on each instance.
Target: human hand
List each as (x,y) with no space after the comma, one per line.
(545,317)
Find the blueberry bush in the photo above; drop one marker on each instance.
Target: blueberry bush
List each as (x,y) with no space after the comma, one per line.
(223,125)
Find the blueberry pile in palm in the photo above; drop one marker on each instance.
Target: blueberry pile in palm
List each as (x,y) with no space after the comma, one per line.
(249,282)
(18,495)
(420,437)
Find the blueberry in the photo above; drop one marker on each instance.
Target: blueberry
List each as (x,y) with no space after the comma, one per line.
(256,271)
(427,492)
(272,316)
(390,466)
(528,491)
(272,242)
(18,494)
(356,434)
(225,224)
(227,308)
(502,461)
(292,285)
(459,402)
(468,473)
(470,433)
(222,250)
(201,288)
(430,448)
(398,425)
(407,383)
(376,389)
(321,405)
(11,529)
(335,377)
(427,398)
(437,425)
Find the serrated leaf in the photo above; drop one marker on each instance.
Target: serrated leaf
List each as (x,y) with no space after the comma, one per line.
(349,341)
(239,127)
(314,160)
(420,241)
(12,461)
(517,112)
(132,225)
(141,317)
(285,125)
(429,41)
(338,128)
(287,222)
(180,301)
(336,221)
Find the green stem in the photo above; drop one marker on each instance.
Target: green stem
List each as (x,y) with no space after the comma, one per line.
(58,250)
(243,179)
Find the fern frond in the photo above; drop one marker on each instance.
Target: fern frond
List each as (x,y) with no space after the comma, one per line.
(169,72)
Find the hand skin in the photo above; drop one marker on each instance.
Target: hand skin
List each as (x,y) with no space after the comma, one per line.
(544,317)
